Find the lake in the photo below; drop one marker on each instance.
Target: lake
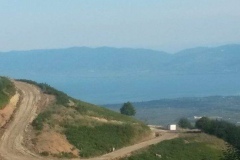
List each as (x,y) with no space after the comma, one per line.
(106,89)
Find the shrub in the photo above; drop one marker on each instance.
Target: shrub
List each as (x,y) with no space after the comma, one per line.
(64,155)
(40,119)
(185,123)
(45,153)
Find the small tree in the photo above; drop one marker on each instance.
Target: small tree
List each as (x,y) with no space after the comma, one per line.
(128,109)
(185,123)
(205,124)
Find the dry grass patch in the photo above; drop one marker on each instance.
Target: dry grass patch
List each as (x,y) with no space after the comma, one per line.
(54,143)
(212,141)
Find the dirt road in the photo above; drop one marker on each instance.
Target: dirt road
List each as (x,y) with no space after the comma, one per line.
(11,147)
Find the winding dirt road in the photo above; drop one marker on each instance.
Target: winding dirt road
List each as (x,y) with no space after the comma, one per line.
(11,143)
(11,147)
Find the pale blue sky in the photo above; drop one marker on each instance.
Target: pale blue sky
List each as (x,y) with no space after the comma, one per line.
(169,25)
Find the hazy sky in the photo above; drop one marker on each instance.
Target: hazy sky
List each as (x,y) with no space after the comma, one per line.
(168,25)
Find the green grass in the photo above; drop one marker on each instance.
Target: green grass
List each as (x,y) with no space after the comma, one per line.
(7,90)
(92,110)
(97,140)
(183,148)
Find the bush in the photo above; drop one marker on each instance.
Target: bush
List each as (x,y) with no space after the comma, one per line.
(64,155)
(40,119)
(185,123)
(45,153)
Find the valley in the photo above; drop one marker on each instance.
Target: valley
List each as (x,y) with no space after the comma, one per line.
(165,111)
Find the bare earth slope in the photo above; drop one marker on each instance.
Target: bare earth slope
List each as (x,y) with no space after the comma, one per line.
(6,112)
(11,147)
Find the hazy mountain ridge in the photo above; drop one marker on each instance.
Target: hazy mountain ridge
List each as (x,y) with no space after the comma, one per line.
(106,61)
(223,59)
(83,59)
(115,75)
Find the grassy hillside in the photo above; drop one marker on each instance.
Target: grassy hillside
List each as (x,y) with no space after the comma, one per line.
(91,129)
(187,147)
(7,90)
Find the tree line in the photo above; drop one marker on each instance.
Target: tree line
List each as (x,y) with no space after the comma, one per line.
(224,130)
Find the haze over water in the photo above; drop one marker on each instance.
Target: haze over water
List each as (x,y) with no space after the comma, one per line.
(136,89)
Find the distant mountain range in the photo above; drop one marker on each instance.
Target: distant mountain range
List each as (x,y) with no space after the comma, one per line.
(111,75)
(106,61)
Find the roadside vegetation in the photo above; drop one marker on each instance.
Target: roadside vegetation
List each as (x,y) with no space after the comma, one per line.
(189,146)
(226,131)
(91,129)
(7,90)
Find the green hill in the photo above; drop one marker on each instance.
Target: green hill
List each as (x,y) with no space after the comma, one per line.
(7,90)
(92,130)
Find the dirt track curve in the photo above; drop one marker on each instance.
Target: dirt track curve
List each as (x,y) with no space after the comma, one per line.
(11,147)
